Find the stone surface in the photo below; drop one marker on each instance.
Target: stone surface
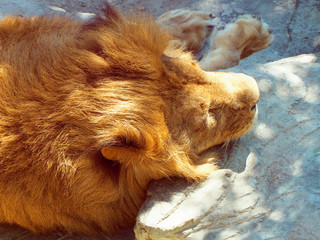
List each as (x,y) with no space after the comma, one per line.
(269,188)
(15,7)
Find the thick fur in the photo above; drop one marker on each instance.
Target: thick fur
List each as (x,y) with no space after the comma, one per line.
(90,113)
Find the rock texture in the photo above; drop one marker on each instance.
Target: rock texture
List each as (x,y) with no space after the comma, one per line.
(269,187)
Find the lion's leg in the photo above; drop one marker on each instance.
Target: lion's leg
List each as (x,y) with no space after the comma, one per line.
(188,28)
(188,166)
(195,172)
(237,41)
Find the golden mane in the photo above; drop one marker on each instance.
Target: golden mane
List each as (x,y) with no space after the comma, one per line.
(90,113)
(84,87)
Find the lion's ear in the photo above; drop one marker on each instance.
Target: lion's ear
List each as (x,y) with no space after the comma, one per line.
(120,154)
(128,143)
(169,62)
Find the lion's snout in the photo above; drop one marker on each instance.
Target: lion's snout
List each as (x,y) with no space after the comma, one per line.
(236,89)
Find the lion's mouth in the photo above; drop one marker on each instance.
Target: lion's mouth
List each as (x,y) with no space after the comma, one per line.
(250,123)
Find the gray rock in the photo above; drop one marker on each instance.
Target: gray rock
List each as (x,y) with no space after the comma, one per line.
(22,7)
(269,188)
(27,8)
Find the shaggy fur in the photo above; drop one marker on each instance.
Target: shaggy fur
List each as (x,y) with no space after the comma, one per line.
(90,113)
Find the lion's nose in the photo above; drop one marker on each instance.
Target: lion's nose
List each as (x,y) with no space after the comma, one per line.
(241,90)
(246,90)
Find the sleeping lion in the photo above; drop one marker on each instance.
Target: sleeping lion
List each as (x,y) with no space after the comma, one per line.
(91,112)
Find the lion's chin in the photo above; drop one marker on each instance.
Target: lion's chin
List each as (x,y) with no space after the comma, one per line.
(249,126)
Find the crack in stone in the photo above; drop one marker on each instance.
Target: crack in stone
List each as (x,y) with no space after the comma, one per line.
(308,134)
(188,192)
(219,225)
(235,216)
(289,30)
(180,231)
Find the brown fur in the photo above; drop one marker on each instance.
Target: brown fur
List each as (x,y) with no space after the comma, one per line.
(90,113)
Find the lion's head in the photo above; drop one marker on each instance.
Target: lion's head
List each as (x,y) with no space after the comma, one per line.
(90,113)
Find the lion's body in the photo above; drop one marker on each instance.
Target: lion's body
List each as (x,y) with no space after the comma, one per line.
(91,113)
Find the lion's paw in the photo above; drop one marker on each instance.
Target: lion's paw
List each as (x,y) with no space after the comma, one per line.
(247,35)
(189,28)
(255,35)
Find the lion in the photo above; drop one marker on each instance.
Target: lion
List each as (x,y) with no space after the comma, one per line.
(91,112)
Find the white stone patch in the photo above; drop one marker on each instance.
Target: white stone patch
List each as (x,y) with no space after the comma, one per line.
(277,216)
(265,85)
(297,169)
(251,161)
(190,209)
(85,16)
(289,73)
(54,8)
(312,95)
(263,131)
